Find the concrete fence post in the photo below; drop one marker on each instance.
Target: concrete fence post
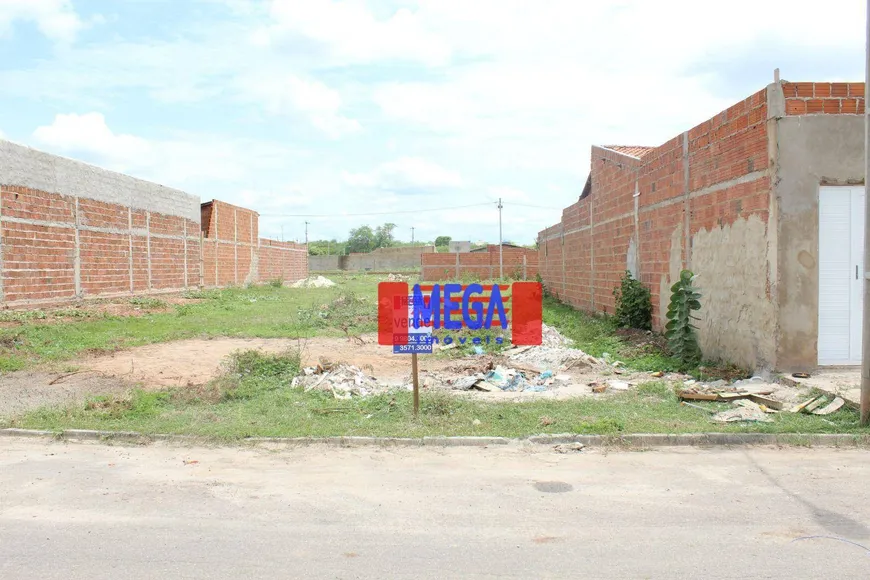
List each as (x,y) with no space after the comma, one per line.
(2,296)
(562,251)
(457,264)
(201,260)
(185,253)
(236,247)
(254,273)
(77,255)
(130,247)
(217,236)
(525,267)
(148,242)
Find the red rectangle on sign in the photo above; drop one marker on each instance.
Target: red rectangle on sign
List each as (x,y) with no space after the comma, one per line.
(391,312)
(528,313)
(525,310)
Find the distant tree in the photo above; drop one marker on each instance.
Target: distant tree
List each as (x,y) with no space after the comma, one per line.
(443,240)
(361,239)
(384,236)
(324,247)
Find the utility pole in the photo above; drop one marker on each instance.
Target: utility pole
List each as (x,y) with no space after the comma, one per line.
(282,232)
(865,345)
(501,244)
(306,223)
(412,234)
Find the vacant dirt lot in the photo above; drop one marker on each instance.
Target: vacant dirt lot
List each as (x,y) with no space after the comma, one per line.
(193,362)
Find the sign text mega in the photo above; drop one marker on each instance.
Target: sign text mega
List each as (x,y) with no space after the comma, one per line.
(403,312)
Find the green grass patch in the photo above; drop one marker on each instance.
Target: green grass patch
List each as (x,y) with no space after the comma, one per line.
(254,398)
(266,311)
(640,350)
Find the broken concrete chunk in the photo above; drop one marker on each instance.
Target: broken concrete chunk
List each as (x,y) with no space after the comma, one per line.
(465,383)
(618,385)
(569,447)
(745,411)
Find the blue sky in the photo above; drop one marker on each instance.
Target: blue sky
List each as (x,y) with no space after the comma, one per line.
(367,106)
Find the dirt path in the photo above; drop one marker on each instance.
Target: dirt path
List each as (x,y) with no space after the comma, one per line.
(193,362)
(23,391)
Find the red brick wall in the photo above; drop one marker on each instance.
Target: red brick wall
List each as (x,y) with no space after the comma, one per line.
(583,257)
(823,98)
(55,248)
(48,241)
(234,254)
(285,261)
(443,266)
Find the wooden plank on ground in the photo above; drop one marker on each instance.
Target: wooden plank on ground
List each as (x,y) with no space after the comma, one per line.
(766,401)
(835,405)
(698,396)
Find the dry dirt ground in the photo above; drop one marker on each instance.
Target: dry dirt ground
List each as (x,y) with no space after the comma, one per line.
(63,312)
(196,361)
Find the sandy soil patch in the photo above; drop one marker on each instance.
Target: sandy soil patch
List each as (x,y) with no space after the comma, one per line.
(196,361)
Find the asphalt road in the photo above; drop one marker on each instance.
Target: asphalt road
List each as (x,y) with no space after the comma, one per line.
(95,511)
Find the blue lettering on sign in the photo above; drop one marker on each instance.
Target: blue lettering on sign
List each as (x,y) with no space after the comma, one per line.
(424,313)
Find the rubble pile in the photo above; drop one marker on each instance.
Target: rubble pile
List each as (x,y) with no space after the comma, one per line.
(553,338)
(511,380)
(344,381)
(397,278)
(313,282)
(755,400)
(554,352)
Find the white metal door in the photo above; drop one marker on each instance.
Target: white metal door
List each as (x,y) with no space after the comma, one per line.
(841,274)
(857,277)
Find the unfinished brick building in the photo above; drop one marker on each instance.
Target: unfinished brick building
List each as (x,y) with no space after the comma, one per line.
(69,230)
(764,202)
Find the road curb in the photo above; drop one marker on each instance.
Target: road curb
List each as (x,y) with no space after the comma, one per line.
(636,440)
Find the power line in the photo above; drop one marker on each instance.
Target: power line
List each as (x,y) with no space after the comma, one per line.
(374,213)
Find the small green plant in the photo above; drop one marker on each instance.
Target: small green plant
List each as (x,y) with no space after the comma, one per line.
(276,283)
(147,303)
(681,333)
(633,303)
(257,364)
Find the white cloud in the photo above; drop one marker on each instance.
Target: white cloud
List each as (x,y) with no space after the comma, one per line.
(351,33)
(89,133)
(507,94)
(406,175)
(319,103)
(508,194)
(179,162)
(56,19)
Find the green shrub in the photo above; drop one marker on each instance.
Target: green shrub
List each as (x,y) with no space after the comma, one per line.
(257,364)
(633,303)
(681,333)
